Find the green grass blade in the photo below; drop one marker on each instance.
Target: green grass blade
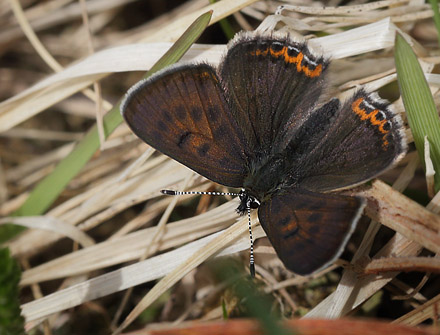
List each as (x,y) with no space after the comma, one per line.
(422,114)
(11,322)
(226,26)
(256,303)
(45,193)
(182,45)
(434,6)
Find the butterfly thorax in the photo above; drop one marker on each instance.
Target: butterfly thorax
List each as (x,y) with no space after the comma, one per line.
(267,174)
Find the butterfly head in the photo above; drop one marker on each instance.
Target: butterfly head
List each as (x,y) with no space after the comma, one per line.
(247,201)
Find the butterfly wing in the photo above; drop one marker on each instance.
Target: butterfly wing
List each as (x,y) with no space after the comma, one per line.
(309,230)
(272,84)
(182,113)
(364,139)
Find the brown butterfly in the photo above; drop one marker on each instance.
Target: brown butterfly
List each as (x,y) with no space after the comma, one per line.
(255,123)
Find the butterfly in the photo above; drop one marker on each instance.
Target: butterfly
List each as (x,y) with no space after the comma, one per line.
(256,122)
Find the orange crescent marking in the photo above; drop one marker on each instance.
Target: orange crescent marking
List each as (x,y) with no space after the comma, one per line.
(299,59)
(289,227)
(372,118)
(290,59)
(259,52)
(277,54)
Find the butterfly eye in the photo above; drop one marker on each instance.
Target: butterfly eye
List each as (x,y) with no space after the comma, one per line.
(253,202)
(242,194)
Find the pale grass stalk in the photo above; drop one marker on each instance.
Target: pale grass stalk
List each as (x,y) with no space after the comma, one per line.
(411,292)
(131,246)
(13,112)
(341,10)
(429,169)
(152,248)
(193,261)
(404,264)
(96,84)
(376,36)
(428,310)
(8,207)
(347,284)
(3,187)
(270,281)
(135,274)
(51,224)
(366,286)
(39,48)
(37,134)
(135,190)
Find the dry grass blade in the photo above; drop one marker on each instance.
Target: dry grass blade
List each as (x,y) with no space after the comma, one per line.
(422,313)
(130,247)
(53,225)
(405,264)
(196,259)
(15,111)
(403,215)
(153,268)
(360,289)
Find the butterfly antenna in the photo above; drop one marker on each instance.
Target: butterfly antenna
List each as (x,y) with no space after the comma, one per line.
(251,258)
(171,192)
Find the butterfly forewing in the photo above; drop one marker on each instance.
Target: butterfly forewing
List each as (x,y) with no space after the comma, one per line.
(309,230)
(272,85)
(183,114)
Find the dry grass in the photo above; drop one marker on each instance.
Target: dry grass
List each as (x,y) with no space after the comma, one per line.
(107,232)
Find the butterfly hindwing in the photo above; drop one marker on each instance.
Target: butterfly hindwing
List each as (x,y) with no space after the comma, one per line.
(272,85)
(367,138)
(182,113)
(309,230)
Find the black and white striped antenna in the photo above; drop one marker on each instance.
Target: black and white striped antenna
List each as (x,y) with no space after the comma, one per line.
(251,257)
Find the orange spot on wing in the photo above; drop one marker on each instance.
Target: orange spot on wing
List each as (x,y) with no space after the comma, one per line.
(290,59)
(284,52)
(314,73)
(259,52)
(299,59)
(359,111)
(291,226)
(276,54)
(205,74)
(372,118)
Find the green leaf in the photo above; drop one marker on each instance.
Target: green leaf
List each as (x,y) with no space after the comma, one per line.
(45,193)
(419,104)
(434,6)
(11,322)
(181,46)
(225,25)
(256,303)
